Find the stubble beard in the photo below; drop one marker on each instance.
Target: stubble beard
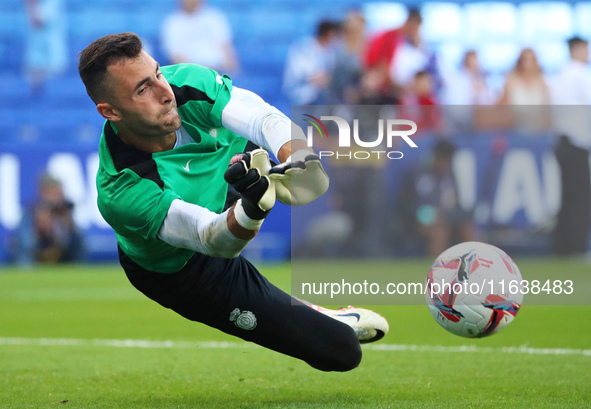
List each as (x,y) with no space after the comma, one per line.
(173,123)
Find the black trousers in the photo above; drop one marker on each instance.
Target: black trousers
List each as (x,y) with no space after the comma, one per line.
(571,234)
(232,296)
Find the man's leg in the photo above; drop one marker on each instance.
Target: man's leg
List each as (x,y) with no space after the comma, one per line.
(572,228)
(232,296)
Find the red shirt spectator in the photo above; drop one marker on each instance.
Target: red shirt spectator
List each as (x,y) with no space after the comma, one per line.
(419,103)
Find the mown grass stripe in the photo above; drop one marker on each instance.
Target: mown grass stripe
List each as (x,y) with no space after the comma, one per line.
(142,343)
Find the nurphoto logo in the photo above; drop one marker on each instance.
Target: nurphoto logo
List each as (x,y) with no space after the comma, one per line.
(387,130)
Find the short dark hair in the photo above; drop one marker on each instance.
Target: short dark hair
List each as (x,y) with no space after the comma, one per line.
(414,14)
(575,41)
(421,74)
(96,58)
(326,27)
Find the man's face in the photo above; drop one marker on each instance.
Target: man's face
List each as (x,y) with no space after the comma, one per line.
(424,85)
(52,194)
(584,52)
(471,62)
(580,52)
(142,97)
(191,5)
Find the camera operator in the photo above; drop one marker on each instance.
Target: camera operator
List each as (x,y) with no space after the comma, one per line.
(47,233)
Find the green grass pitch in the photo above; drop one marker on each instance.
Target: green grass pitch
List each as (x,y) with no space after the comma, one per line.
(83,337)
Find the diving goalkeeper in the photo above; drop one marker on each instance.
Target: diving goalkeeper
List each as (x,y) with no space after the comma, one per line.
(172,144)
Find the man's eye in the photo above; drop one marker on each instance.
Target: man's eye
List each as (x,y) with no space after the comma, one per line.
(159,75)
(141,91)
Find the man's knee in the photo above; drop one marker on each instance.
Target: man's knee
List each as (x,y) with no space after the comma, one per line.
(345,355)
(349,359)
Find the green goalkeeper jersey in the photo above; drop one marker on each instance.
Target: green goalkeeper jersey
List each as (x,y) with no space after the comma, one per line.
(136,188)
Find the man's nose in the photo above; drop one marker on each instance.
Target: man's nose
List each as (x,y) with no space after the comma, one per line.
(166,94)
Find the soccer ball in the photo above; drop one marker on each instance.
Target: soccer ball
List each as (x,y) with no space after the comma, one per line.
(474,289)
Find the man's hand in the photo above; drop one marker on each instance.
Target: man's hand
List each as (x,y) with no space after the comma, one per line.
(247,173)
(299,180)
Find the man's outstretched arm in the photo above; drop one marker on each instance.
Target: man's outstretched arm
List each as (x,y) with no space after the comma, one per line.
(300,177)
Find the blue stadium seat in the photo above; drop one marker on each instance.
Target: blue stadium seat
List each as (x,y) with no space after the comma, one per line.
(65,92)
(148,22)
(125,6)
(12,55)
(12,117)
(95,22)
(13,24)
(75,45)
(56,137)
(68,86)
(267,24)
(7,6)
(46,117)
(13,87)
(268,87)
(264,58)
(8,134)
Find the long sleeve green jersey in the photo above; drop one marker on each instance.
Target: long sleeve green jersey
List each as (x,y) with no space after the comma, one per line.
(136,188)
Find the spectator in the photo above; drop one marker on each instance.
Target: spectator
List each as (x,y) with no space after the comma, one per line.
(419,103)
(468,86)
(47,53)
(428,200)
(526,97)
(310,62)
(397,55)
(371,90)
(420,91)
(345,80)
(572,87)
(525,85)
(47,233)
(199,34)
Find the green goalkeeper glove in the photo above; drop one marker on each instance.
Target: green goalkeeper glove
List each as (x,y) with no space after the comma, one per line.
(300,181)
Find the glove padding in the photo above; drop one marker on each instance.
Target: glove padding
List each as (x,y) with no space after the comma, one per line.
(247,173)
(298,183)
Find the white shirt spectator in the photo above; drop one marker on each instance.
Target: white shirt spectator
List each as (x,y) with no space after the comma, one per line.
(201,37)
(407,61)
(307,63)
(572,86)
(464,88)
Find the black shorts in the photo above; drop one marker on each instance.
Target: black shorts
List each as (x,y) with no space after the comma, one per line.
(232,296)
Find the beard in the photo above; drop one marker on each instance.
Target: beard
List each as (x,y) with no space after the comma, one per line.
(166,124)
(171,121)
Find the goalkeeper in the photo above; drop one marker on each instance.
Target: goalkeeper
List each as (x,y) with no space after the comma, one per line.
(170,134)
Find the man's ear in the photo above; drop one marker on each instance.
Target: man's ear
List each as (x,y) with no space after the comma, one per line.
(108,111)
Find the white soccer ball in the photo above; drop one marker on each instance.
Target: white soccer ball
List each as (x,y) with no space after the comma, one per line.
(474,289)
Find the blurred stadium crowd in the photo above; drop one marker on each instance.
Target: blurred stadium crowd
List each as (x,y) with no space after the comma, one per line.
(489,54)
